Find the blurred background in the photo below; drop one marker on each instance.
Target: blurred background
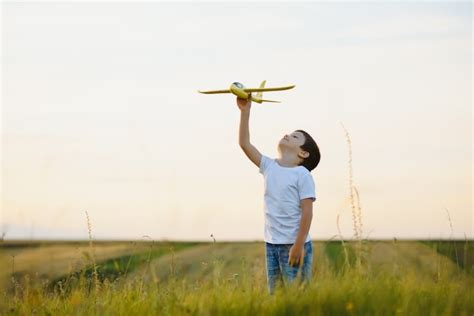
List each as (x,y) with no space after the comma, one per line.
(100,113)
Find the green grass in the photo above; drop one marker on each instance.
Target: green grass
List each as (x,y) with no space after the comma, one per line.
(229,285)
(461,252)
(114,268)
(334,250)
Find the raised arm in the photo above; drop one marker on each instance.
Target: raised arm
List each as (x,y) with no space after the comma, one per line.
(244,135)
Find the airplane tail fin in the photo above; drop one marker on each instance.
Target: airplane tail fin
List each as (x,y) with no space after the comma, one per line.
(258,97)
(260,94)
(263,100)
(259,100)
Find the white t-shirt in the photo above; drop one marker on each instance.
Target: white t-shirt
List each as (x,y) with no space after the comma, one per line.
(285,187)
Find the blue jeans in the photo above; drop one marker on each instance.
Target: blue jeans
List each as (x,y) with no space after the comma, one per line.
(278,269)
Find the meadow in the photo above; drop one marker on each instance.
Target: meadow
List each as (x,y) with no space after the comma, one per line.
(396,277)
(147,277)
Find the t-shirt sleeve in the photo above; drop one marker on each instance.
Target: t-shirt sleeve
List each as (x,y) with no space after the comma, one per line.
(306,187)
(264,163)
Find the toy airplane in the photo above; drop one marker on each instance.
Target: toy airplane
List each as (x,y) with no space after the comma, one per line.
(245,93)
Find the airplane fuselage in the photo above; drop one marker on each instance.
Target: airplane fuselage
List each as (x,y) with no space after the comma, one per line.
(238,89)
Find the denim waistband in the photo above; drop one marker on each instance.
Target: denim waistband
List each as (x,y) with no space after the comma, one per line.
(270,244)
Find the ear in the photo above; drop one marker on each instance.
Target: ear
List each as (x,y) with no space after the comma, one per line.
(303,154)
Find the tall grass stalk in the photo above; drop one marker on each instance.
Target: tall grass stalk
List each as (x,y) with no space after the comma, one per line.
(358,211)
(92,249)
(451,237)
(148,260)
(355,203)
(467,269)
(346,254)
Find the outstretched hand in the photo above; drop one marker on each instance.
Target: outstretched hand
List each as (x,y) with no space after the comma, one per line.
(244,104)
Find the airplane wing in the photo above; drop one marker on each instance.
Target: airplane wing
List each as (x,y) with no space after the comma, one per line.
(268,89)
(215,91)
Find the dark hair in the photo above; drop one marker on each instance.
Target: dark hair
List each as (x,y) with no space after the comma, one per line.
(314,155)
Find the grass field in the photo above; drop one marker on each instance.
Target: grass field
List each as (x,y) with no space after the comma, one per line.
(393,278)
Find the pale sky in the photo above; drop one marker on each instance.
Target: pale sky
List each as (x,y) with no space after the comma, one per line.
(100,113)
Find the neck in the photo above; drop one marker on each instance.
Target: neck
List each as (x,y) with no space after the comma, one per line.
(288,160)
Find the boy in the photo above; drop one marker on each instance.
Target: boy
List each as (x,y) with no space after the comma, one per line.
(288,201)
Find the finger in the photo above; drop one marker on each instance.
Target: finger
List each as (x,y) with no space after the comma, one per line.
(293,262)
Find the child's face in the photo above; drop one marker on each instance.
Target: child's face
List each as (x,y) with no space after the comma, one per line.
(292,142)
